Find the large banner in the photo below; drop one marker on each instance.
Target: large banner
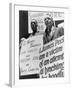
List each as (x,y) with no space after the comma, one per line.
(45,60)
(51,57)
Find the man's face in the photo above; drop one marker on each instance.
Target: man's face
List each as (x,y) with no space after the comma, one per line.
(34,26)
(48,22)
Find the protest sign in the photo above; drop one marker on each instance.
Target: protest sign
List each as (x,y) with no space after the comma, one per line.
(52,59)
(29,55)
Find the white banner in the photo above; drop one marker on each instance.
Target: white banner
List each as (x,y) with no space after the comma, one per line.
(52,59)
(29,55)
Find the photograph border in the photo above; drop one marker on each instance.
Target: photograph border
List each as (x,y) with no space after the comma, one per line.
(13,72)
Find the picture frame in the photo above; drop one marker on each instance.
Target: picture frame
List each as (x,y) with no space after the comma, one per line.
(29,26)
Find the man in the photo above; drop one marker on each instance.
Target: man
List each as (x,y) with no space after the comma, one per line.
(49,31)
(34,26)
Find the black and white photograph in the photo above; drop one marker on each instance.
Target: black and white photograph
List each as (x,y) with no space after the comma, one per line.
(41,44)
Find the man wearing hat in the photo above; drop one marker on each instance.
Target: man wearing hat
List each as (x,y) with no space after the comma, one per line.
(51,32)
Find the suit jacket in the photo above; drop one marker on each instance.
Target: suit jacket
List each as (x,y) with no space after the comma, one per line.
(55,33)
